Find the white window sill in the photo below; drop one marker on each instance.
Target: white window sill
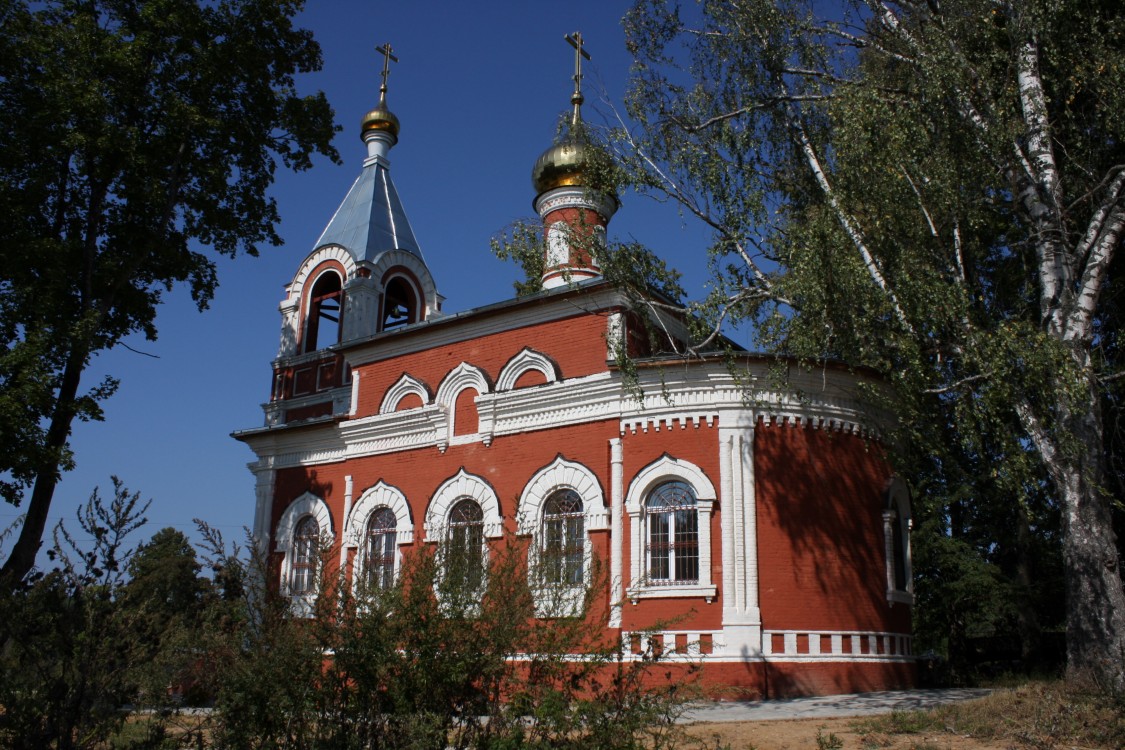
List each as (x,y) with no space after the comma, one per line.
(902,597)
(667,591)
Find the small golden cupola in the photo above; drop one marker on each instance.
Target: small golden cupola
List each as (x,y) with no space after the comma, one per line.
(574,212)
(379,128)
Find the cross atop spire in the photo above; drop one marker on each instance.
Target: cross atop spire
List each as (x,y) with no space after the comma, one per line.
(387,52)
(575,40)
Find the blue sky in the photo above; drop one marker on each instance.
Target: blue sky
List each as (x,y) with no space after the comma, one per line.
(478,90)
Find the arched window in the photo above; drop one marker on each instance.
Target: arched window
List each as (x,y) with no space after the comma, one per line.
(896,532)
(464,564)
(381,549)
(306,553)
(563,552)
(400,304)
(672,534)
(326,303)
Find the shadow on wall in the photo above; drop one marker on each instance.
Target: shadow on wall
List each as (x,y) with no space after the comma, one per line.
(820,500)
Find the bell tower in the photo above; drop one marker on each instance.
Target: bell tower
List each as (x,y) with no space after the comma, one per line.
(365,276)
(570,198)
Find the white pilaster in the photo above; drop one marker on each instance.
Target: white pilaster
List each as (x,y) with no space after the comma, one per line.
(617,533)
(344,522)
(742,620)
(263,511)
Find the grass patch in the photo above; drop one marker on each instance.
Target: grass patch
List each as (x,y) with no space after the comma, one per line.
(1040,715)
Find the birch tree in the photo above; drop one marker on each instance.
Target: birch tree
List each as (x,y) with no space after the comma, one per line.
(935,189)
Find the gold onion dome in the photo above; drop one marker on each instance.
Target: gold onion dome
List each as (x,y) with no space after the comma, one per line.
(565,163)
(379,118)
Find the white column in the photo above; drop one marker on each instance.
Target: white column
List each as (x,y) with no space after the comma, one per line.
(263,510)
(616,538)
(345,521)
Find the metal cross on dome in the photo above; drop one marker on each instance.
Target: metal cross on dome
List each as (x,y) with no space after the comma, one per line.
(575,40)
(387,52)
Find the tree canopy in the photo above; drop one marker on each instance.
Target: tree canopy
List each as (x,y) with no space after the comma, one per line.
(935,190)
(140,139)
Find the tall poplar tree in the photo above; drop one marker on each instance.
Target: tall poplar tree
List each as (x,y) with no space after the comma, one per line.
(140,137)
(935,189)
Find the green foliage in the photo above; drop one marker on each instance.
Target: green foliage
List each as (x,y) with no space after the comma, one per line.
(67,651)
(422,665)
(136,134)
(932,190)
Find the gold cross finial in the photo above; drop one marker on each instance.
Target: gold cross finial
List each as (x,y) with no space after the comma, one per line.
(387,52)
(575,40)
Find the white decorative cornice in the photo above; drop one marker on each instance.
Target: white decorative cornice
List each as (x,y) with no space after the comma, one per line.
(679,398)
(405,386)
(576,197)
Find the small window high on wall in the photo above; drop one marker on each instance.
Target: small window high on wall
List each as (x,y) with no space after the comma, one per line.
(326,303)
(400,304)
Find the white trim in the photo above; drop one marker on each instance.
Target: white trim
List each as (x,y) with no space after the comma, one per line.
(403,387)
(562,474)
(453,489)
(527,360)
(663,470)
(307,504)
(318,256)
(382,495)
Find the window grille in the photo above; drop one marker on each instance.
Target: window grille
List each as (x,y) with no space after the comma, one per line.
(465,564)
(673,534)
(381,537)
(306,550)
(563,538)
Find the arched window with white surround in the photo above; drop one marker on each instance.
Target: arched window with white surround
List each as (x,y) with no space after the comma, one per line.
(896,536)
(670,503)
(304,533)
(306,557)
(379,524)
(559,507)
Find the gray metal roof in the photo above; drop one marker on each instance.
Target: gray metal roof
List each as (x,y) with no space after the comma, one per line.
(371,220)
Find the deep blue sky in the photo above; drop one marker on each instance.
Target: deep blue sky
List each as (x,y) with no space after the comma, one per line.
(478,90)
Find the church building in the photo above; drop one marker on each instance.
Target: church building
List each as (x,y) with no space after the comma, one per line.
(756,513)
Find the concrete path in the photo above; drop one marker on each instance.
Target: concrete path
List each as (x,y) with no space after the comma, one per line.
(827,706)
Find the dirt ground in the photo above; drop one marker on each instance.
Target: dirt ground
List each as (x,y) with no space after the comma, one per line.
(801,734)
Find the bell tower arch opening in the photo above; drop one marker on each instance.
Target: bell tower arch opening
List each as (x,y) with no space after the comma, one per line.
(400,303)
(323,326)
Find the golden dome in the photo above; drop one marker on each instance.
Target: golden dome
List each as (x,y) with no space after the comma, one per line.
(379,118)
(563,164)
